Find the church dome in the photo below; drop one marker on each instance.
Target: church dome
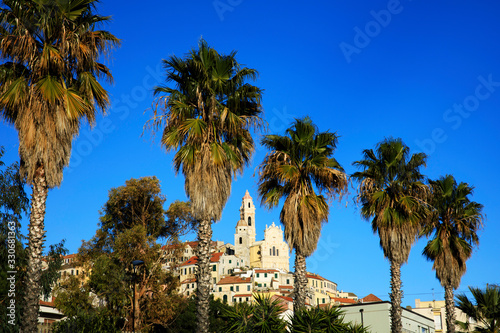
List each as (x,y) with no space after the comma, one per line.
(242,223)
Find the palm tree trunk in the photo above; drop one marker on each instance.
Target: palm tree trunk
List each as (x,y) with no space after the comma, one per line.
(36,234)
(396,295)
(300,284)
(450,308)
(203,275)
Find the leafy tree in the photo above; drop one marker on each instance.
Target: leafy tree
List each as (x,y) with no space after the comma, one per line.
(454,223)
(392,195)
(48,85)
(300,164)
(485,313)
(132,221)
(95,322)
(185,321)
(206,118)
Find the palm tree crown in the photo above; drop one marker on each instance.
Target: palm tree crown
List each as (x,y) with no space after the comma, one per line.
(49,78)
(454,223)
(209,114)
(391,193)
(485,313)
(300,163)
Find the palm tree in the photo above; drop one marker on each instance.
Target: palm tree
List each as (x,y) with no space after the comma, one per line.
(485,314)
(392,194)
(299,164)
(454,222)
(207,118)
(48,85)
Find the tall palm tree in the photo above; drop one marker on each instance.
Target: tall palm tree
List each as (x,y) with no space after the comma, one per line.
(454,222)
(298,165)
(48,85)
(206,118)
(392,194)
(485,314)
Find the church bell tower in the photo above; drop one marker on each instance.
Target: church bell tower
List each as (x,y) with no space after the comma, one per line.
(244,236)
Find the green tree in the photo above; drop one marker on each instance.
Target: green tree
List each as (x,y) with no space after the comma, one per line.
(206,118)
(131,222)
(392,195)
(454,223)
(298,165)
(48,85)
(484,314)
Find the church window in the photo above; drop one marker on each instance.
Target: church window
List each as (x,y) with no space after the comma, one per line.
(249,205)
(250,221)
(274,251)
(278,252)
(241,240)
(287,281)
(270,252)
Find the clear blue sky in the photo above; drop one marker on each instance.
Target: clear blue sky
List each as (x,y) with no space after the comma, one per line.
(426,72)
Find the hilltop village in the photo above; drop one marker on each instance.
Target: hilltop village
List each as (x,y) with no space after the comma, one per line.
(251,266)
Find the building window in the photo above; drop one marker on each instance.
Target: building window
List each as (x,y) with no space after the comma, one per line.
(265,274)
(270,252)
(189,270)
(257,274)
(274,251)
(275,275)
(229,261)
(188,293)
(215,281)
(220,289)
(72,272)
(224,298)
(265,284)
(231,288)
(287,281)
(247,299)
(249,220)
(240,299)
(323,301)
(214,269)
(76,272)
(187,287)
(249,205)
(237,288)
(248,288)
(241,240)
(278,252)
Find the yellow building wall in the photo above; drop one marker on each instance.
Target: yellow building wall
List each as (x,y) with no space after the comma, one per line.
(255,257)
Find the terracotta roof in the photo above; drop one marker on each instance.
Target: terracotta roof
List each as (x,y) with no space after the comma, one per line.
(344,300)
(242,295)
(51,304)
(194,259)
(286,287)
(370,298)
(286,298)
(266,271)
(189,281)
(234,279)
(69,256)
